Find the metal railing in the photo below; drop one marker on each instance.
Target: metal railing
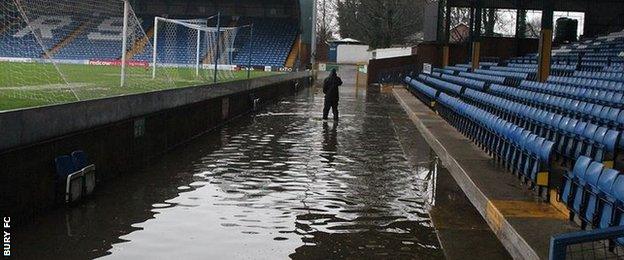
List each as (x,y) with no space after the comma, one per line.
(589,244)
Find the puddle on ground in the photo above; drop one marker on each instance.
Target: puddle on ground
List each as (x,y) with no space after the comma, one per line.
(280,184)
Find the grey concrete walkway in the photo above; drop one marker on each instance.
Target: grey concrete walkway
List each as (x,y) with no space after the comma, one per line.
(522,224)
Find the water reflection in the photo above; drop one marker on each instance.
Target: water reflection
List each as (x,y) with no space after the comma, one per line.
(280,184)
(329,141)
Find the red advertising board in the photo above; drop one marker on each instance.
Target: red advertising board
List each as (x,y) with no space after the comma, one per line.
(131,63)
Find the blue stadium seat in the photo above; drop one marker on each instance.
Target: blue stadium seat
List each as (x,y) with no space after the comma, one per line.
(596,193)
(64,166)
(273,41)
(589,178)
(570,179)
(80,159)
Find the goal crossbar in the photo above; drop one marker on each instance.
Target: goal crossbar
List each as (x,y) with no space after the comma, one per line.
(200,25)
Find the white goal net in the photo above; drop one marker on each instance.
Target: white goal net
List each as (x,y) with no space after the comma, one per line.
(55,51)
(193,49)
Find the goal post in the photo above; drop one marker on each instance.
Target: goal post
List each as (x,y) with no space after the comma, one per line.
(188,47)
(188,23)
(124,41)
(63,50)
(54,51)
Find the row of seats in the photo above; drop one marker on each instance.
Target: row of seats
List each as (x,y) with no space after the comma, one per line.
(510,74)
(522,152)
(570,60)
(602,107)
(588,83)
(425,93)
(441,84)
(555,68)
(602,97)
(444,71)
(531,69)
(615,76)
(614,68)
(515,73)
(595,194)
(484,77)
(603,115)
(457,68)
(471,83)
(273,40)
(572,137)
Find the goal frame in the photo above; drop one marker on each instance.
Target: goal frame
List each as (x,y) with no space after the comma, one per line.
(200,25)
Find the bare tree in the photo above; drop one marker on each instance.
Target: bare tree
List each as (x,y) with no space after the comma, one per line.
(522,23)
(326,22)
(534,26)
(380,23)
(460,16)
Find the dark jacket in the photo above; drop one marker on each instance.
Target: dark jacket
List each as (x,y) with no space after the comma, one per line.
(330,87)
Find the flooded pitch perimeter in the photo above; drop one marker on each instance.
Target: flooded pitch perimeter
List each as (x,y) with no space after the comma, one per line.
(281,183)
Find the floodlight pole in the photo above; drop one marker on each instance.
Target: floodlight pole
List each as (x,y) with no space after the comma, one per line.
(197,54)
(154,50)
(216,58)
(124,41)
(250,51)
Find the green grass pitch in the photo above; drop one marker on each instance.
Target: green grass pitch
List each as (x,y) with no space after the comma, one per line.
(35,84)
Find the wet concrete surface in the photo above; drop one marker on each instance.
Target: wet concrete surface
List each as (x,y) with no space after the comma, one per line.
(278,184)
(523,223)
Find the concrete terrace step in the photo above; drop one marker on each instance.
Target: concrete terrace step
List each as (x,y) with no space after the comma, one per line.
(523,224)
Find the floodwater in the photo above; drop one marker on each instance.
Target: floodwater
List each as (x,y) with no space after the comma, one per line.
(281,183)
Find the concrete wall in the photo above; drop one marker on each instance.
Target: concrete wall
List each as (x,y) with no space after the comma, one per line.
(107,130)
(391,69)
(21,127)
(351,54)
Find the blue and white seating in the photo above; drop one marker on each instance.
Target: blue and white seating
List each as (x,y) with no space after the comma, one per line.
(523,153)
(273,40)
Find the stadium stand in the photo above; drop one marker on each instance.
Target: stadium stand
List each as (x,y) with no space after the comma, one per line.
(272,41)
(574,121)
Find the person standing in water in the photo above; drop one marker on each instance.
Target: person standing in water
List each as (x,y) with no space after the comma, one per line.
(330,89)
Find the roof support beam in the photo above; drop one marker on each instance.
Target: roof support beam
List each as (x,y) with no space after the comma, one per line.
(447,34)
(545,44)
(476,35)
